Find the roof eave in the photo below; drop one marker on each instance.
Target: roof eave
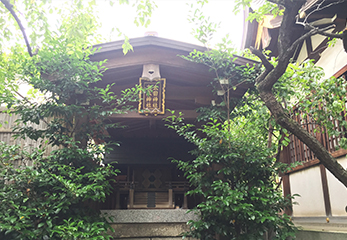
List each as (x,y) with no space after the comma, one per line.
(161,42)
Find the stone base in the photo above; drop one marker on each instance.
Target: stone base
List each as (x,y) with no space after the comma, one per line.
(149,216)
(318,228)
(149,224)
(316,235)
(156,238)
(148,230)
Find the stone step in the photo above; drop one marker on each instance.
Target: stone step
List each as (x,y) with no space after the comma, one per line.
(321,228)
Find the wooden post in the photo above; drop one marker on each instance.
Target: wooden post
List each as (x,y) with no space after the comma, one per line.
(325,187)
(287,192)
(185,202)
(118,199)
(170,198)
(131,196)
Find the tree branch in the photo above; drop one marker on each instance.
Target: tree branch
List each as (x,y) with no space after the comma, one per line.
(320,8)
(268,66)
(285,45)
(324,33)
(269,77)
(300,39)
(286,30)
(319,150)
(9,7)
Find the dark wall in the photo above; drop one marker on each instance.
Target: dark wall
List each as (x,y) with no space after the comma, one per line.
(150,151)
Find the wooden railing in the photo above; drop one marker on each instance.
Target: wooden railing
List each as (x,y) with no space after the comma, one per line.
(297,151)
(178,186)
(137,197)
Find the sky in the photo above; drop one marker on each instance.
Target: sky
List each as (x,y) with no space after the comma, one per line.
(169,20)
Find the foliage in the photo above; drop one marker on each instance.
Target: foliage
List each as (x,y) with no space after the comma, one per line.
(265,8)
(144,10)
(322,100)
(75,19)
(204,28)
(47,199)
(325,105)
(55,195)
(235,174)
(235,195)
(229,76)
(318,107)
(234,170)
(50,199)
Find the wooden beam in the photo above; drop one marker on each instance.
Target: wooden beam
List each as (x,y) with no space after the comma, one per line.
(304,166)
(325,187)
(336,154)
(287,192)
(188,114)
(341,71)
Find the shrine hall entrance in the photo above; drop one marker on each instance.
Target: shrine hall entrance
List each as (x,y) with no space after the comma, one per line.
(149,186)
(148,178)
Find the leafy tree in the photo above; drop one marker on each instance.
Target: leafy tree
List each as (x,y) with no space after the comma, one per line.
(236,160)
(273,72)
(222,164)
(276,70)
(49,199)
(235,173)
(46,197)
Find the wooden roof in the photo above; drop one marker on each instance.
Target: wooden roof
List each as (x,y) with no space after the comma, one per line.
(154,50)
(187,83)
(312,47)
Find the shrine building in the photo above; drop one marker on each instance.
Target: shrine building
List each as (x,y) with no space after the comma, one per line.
(148,178)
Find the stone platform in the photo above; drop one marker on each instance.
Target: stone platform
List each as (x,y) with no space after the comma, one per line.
(318,228)
(151,224)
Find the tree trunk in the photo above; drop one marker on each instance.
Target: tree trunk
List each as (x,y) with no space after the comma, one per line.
(271,75)
(295,128)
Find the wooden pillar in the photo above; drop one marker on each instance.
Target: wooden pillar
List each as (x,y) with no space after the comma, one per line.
(287,192)
(325,188)
(118,199)
(170,197)
(131,196)
(185,201)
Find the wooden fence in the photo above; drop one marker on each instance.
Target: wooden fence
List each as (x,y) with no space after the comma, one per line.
(297,151)
(8,121)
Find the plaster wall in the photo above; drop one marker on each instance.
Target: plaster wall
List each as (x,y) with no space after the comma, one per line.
(333,59)
(307,183)
(337,192)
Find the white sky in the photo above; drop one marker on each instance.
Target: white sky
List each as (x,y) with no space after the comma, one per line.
(169,20)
